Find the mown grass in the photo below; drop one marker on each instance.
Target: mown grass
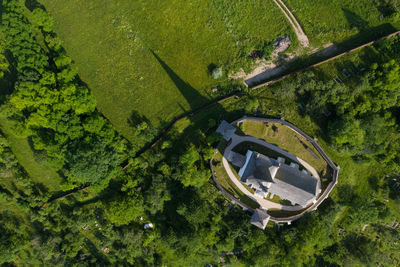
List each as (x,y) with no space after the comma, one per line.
(286,139)
(39,170)
(326,21)
(154,57)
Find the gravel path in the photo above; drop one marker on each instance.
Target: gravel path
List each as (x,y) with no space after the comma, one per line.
(301,36)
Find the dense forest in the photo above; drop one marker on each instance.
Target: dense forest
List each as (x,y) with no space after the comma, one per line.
(169,185)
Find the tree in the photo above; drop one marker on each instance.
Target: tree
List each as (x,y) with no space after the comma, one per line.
(42,19)
(3,61)
(347,134)
(189,172)
(91,161)
(123,209)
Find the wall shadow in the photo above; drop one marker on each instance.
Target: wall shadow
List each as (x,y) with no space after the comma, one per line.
(366,34)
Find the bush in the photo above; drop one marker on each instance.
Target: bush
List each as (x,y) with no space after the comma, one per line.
(217,73)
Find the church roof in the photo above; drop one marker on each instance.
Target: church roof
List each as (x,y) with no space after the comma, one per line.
(257,166)
(288,182)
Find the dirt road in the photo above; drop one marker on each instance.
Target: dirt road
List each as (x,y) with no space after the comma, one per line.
(301,36)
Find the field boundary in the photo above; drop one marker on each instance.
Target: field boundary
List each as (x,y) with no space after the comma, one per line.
(319,63)
(235,94)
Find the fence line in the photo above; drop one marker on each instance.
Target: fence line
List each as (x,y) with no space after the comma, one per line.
(322,197)
(236,95)
(319,63)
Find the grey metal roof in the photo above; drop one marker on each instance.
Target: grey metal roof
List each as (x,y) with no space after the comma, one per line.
(236,159)
(295,185)
(226,130)
(288,182)
(297,178)
(260,218)
(258,167)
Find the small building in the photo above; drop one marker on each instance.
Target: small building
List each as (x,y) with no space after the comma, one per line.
(226,130)
(260,218)
(267,175)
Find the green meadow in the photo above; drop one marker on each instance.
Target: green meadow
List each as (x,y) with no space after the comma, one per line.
(155,57)
(327,21)
(33,162)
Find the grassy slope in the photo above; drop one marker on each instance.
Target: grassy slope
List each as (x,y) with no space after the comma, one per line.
(110,42)
(40,172)
(285,139)
(326,21)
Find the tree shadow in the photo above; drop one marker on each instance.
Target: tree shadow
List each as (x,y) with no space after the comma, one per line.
(101,260)
(33,4)
(387,9)
(211,67)
(346,194)
(1,11)
(355,21)
(366,34)
(136,119)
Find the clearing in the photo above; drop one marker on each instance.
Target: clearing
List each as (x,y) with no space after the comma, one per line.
(154,58)
(34,163)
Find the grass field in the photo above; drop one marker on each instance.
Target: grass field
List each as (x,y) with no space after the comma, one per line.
(153,57)
(39,170)
(327,21)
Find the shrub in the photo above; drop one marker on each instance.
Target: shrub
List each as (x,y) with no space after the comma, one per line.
(217,73)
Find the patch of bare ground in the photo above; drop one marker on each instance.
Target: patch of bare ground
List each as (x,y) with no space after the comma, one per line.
(264,65)
(266,68)
(301,36)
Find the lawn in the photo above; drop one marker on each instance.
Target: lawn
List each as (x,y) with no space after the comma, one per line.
(153,57)
(327,21)
(286,139)
(39,170)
